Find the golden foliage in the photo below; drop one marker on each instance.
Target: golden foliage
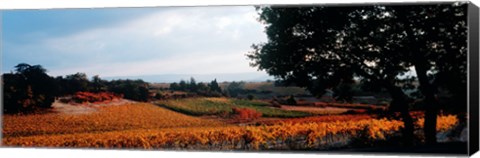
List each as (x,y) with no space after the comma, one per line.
(191,137)
(444,123)
(147,126)
(110,118)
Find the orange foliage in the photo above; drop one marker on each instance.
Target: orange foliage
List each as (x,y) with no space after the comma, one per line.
(253,137)
(328,118)
(108,118)
(243,114)
(444,123)
(82,97)
(147,126)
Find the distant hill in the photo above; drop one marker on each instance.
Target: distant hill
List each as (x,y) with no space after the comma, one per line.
(221,77)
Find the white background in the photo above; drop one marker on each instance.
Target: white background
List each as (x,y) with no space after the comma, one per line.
(82,153)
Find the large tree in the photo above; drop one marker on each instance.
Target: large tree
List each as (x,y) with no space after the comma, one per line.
(321,47)
(76,82)
(430,39)
(137,90)
(214,87)
(98,85)
(27,89)
(435,43)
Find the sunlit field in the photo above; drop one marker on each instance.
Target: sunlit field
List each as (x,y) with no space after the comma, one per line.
(309,78)
(105,119)
(148,126)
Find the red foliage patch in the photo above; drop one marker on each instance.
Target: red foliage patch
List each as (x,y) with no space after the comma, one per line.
(83,97)
(245,114)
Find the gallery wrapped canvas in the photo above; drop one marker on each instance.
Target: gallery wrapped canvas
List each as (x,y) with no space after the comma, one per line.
(398,78)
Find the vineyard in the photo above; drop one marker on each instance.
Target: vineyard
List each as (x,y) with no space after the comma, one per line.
(111,118)
(284,136)
(221,106)
(147,126)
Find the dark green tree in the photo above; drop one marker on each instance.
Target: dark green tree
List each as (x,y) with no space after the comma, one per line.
(214,87)
(192,85)
(431,39)
(174,86)
(76,82)
(321,47)
(15,93)
(235,88)
(27,89)
(305,47)
(131,89)
(344,91)
(182,86)
(202,89)
(436,44)
(98,85)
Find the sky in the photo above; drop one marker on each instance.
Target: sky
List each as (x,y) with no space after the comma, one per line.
(132,41)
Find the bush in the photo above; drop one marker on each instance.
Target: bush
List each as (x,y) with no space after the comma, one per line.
(291,100)
(245,114)
(275,104)
(82,97)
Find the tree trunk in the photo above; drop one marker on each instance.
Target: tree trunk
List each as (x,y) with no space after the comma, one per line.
(430,123)
(400,104)
(431,103)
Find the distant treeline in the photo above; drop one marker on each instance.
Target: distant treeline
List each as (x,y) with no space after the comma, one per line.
(30,88)
(211,89)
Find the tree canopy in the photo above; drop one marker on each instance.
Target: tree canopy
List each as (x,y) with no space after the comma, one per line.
(27,89)
(322,47)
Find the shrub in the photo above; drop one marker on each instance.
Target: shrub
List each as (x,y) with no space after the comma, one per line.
(250,97)
(288,101)
(274,103)
(291,100)
(244,114)
(82,97)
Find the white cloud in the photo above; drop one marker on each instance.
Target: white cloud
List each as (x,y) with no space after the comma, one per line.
(175,40)
(181,64)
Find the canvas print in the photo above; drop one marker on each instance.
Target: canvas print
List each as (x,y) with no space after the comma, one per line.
(387,78)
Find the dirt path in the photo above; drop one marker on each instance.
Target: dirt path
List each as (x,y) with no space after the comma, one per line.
(66,108)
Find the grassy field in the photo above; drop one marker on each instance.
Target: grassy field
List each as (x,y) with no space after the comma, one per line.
(222,106)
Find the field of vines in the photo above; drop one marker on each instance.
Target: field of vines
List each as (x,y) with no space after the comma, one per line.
(109,118)
(147,126)
(220,106)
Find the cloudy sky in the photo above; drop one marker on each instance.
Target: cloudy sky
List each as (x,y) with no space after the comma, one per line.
(132,41)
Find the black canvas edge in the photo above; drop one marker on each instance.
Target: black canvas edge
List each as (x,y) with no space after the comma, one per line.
(473,79)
